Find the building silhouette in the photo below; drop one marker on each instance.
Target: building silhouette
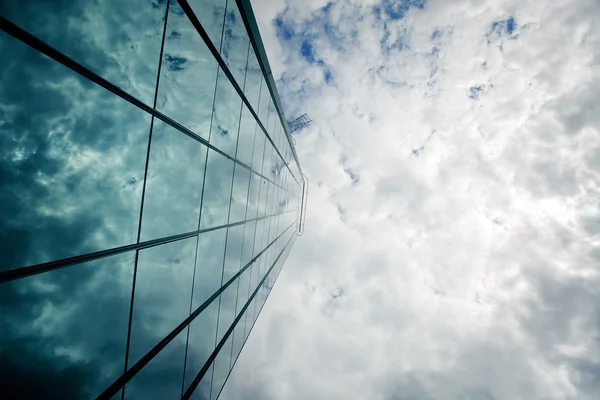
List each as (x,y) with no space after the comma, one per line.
(150,194)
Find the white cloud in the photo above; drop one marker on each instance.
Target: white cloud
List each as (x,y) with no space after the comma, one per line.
(467,268)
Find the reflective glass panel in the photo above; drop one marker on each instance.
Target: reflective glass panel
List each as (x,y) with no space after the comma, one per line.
(217,190)
(273,120)
(118,40)
(202,391)
(264,192)
(201,344)
(233,254)
(259,149)
(269,162)
(162,294)
(210,13)
(64,332)
(239,194)
(226,116)
(253,196)
(209,265)
(238,340)
(174,183)
(247,245)
(258,236)
(264,103)
(221,368)
(250,312)
(238,333)
(254,78)
(162,377)
(234,48)
(188,75)
(246,137)
(72,159)
(226,310)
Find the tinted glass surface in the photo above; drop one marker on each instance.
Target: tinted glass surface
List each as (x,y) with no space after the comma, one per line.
(142,201)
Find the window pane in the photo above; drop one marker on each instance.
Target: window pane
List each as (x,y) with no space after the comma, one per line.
(235,236)
(273,119)
(217,190)
(162,294)
(238,333)
(247,246)
(239,194)
(234,49)
(253,196)
(259,149)
(188,75)
(238,340)
(209,265)
(118,40)
(258,237)
(210,13)
(269,162)
(161,378)
(254,79)
(226,310)
(202,391)
(66,330)
(250,312)
(222,363)
(72,159)
(174,183)
(226,116)
(201,344)
(264,191)
(263,106)
(246,137)
(244,283)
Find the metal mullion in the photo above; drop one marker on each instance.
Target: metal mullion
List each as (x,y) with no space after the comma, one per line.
(139,234)
(269,227)
(256,268)
(199,220)
(131,372)
(228,214)
(61,58)
(200,29)
(232,180)
(212,357)
(253,243)
(247,201)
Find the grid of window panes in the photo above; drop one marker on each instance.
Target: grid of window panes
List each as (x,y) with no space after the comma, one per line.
(149,196)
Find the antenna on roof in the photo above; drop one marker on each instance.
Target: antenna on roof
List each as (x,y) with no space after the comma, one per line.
(299,123)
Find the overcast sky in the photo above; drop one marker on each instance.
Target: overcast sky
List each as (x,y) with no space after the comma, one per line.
(452,240)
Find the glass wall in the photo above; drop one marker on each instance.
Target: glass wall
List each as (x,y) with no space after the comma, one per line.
(149,196)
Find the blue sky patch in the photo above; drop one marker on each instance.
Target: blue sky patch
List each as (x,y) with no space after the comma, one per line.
(504,27)
(475,91)
(395,10)
(284,31)
(306,50)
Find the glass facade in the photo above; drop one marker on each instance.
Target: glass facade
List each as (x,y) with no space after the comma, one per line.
(149,195)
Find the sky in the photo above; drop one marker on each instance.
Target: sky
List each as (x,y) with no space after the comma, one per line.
(452,238)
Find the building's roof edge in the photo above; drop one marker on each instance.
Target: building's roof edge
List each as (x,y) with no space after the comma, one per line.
(257,43)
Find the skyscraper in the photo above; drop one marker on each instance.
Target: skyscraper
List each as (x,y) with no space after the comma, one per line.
(149,195)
